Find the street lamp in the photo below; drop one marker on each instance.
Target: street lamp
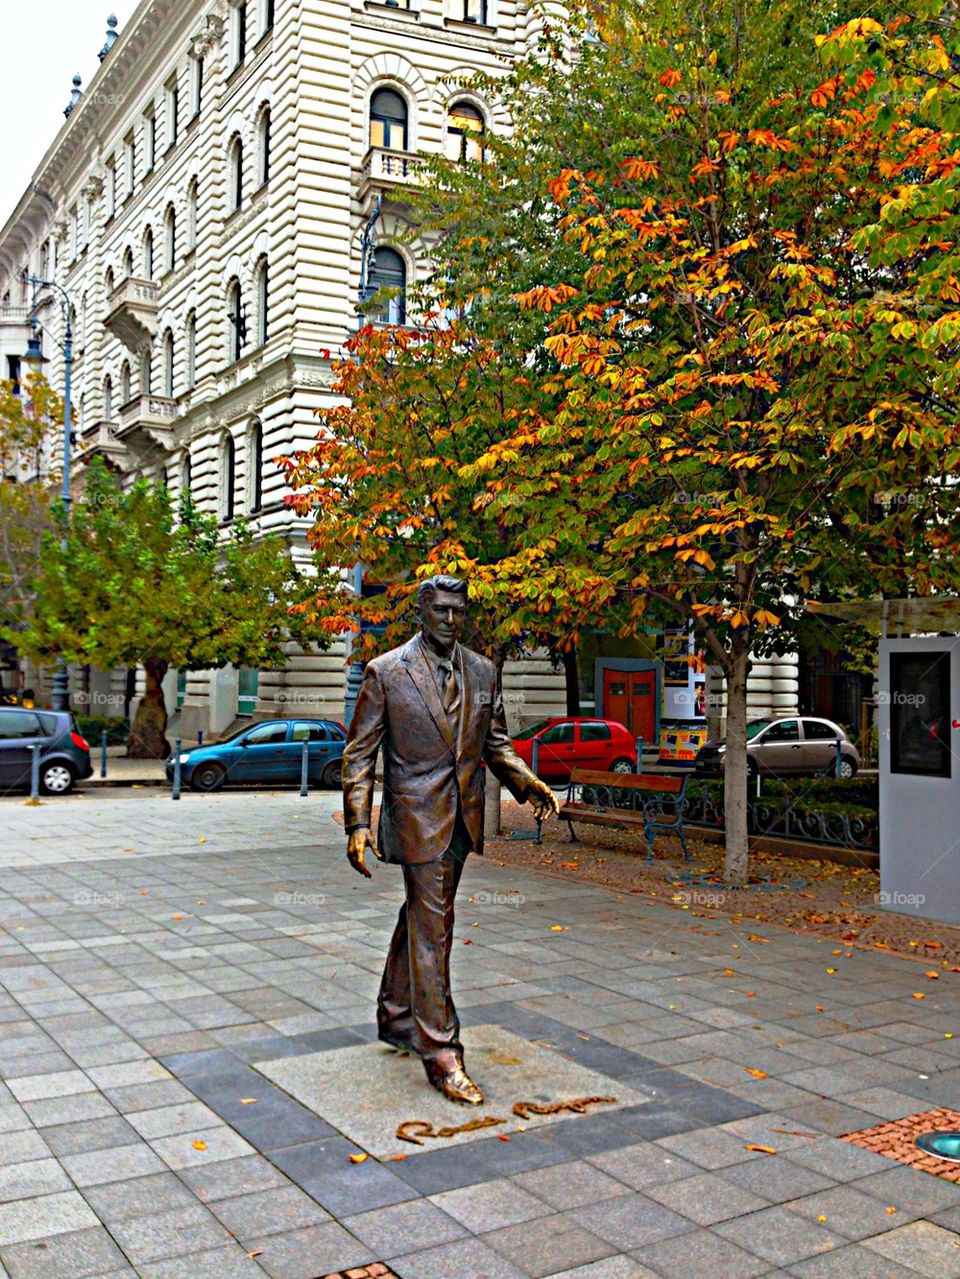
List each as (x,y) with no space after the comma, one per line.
(368,242)
(35,360)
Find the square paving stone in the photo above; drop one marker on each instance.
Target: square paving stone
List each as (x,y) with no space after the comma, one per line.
(138,1197)
(36,1177)
(310,1253)
(907,1188)
(491,1205)
(68,1110)
(849,1212)
(464,1259)
(630,1221)
(18,1147)
(97,1167)
(42,1216)
(850,1263)
(57,1084)
(838,1159)
(89,1134)
(133,1097)
(169,1234)
(777,1179)
(702,1253)
(323,1169)
(365,1092)
(76,1255)
(542,1247)
(570,1185)
(707,1198)
(233,1177)
(230,1262)
(215,1144)
(780,1236)
(168,1121)
(922,1246)
(711,1148)
(268,1212)
(644,1164)
(418,1223)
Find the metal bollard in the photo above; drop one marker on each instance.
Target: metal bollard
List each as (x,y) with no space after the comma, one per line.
(175,793)
(639,754)
(836,762)
(536,756)
(103,753)
(199,736)
(304,768)
(34,774)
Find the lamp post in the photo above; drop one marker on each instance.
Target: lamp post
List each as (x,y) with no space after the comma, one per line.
(368,242)
(35,360)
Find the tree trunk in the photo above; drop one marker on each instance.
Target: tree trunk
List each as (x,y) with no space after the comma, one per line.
(736,863)
(148,735)
(571,676)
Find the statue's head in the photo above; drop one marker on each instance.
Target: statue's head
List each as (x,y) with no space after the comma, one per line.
(442,611)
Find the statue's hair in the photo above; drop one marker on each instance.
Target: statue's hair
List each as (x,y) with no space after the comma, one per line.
(442,582)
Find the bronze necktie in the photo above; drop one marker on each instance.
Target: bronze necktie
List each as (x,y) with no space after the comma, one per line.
(451,691)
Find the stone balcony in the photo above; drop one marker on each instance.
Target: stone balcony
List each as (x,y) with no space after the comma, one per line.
(101,440)
(153,415)
(132,313)
(385,171)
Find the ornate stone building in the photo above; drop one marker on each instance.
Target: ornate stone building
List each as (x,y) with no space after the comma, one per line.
(203,206)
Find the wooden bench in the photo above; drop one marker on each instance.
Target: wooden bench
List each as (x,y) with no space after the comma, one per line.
(661,802)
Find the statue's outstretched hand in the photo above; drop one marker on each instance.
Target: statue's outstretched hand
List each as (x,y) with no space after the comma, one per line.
(543,799)
(358,843)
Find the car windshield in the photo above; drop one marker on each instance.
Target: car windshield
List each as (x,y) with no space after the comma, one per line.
(232,737)
(757,726)
(531,730)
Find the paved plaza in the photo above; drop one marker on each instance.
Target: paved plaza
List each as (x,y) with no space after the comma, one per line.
(189,1062)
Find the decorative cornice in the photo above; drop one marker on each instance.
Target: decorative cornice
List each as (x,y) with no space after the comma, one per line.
(212,34)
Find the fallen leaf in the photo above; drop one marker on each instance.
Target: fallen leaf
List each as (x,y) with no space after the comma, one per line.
(948,1034)
(757,1074)
(820,1008)
(502,1136)
(559,928)
(569,865)
(821,1217)
(891,1211)
(728,972)
(248,1101)
(202,839)
(932,974)
(177,917)
(397,1159)
(934,945)
(919,995)
(764,1150)
(831,970)
(580,1036)
(358,1159)
(838,951)
(754,937)
(257,1252)
(751,994)
(199,1145)
(468,941)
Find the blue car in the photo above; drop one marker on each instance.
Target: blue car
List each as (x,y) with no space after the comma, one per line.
(269,752)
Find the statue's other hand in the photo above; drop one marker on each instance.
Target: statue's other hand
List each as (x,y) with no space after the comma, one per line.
(357,844)
(543,799)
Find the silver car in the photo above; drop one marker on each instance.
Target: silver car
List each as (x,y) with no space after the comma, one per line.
(791,744)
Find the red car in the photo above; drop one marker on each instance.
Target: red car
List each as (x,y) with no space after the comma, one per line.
(571,741)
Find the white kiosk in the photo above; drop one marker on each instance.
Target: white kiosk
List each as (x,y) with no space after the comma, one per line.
(918,697)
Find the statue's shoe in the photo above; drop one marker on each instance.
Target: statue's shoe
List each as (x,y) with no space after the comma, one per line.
(456,1085)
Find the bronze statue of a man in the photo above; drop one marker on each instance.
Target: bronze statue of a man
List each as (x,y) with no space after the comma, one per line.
(434,707)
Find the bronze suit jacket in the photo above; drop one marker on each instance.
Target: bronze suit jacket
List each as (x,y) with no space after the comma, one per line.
(428,769)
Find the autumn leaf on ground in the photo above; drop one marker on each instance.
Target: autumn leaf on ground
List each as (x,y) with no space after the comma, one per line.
(569,865)
(559,928)
(728,972)
(933,975)
(919,995)
(502,1136)
(468,941)
(358,1159)
(763,1150)
(764,940)
(199,1145)
(248,1101)
(757,1074)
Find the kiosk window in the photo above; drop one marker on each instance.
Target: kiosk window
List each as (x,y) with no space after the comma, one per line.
(920,713)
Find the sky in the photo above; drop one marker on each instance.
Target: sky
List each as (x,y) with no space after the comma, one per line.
(46,44)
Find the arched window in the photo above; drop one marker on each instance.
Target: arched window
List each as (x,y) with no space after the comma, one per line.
(168,364)
(148,254)
(191,349)
(236,173)
(170,238)
(192,205)
(389,271)
(388,120)
(228,474)
(263,297)
(108,282)
(108,398)
(263,146)
(146,373)
(465,128)
(255,459)
(236,320)
(127,262)
(185,475)
(125,390)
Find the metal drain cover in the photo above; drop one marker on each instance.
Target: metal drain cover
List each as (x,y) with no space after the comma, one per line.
(943,1145)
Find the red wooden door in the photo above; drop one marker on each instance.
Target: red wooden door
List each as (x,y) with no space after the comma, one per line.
(630,698)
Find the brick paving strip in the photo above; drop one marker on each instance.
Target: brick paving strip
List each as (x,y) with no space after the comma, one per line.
(897,1140)
(151,959)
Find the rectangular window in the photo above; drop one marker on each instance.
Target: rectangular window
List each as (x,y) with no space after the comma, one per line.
(196,86)
(13,372)
(128,165)
(475,11)
(239,32)
(173,112)
(111,187)
(919,699)
(149,141)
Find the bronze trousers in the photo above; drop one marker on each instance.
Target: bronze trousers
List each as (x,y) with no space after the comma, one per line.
(415,1006)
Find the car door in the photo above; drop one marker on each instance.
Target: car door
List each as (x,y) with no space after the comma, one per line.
(593,747)
(819,745)
(19,730)
(557,752)
(319,748)
(263,753)
(777,749)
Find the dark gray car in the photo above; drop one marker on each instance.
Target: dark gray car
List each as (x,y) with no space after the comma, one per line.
(64,754)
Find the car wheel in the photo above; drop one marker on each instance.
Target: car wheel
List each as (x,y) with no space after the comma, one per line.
(208,777)
(56,778)
(623,766)
(331,775)
(847,767)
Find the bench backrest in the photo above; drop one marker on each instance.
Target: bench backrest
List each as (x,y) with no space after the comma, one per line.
(667,785)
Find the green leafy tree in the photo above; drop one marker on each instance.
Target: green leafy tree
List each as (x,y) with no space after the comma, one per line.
(133,585)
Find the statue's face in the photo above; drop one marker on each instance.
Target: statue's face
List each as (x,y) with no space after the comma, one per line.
(443,617)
